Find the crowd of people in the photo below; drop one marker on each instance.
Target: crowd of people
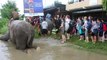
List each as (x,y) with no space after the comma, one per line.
(92,27)
(87,27)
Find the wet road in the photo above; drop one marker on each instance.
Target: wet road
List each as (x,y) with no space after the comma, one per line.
(48,49)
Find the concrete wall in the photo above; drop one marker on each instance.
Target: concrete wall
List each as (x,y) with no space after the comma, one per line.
(83,4)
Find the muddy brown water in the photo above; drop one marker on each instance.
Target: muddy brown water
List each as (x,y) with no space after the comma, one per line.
(47,49)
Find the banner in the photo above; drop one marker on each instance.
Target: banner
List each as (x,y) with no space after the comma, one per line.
(33,7)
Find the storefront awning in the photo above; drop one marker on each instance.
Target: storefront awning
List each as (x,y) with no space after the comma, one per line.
(87,11)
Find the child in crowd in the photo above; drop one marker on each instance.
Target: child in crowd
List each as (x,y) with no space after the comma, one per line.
(86,29)
(100,30)
(94,31)
(80,29)
(104,31)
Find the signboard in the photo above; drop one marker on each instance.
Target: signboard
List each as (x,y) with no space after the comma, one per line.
(93,2)
(33,8)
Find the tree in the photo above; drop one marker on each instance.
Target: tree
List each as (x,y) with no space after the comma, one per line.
(104,4)
(57,2)
(70,1)
(22,17)
(6,11)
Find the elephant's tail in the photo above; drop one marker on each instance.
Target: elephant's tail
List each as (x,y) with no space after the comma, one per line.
(5,37)
(29,40)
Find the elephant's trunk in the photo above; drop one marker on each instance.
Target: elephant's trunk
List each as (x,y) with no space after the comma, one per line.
(5,37)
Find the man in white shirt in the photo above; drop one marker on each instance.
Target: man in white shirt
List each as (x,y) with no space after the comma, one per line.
(44,26)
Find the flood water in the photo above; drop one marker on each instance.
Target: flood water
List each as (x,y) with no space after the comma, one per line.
(47,49)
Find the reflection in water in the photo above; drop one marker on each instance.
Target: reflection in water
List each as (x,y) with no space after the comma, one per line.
(48,49)
(47,56)
(4,54)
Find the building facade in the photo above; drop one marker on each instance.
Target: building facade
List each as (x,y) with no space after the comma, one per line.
(78,8)
(55,9)
(76,4)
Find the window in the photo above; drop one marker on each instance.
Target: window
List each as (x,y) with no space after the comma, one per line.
(74,1)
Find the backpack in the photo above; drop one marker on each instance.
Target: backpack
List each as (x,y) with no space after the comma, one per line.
(70,26)
(104,26)
(58,23)
(89,25)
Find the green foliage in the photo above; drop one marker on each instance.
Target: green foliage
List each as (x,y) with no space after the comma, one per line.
(6,11)
(57,2)
(99,47)
(3,25)
(37,34)
(3,22)
(3,30)
(22,17)
(71,2)
(104,2)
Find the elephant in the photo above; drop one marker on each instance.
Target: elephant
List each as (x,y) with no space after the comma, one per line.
(21,33)
(50,25)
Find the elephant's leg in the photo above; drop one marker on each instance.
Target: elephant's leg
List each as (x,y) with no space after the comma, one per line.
(30,42)
(21,42)
(20,45)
